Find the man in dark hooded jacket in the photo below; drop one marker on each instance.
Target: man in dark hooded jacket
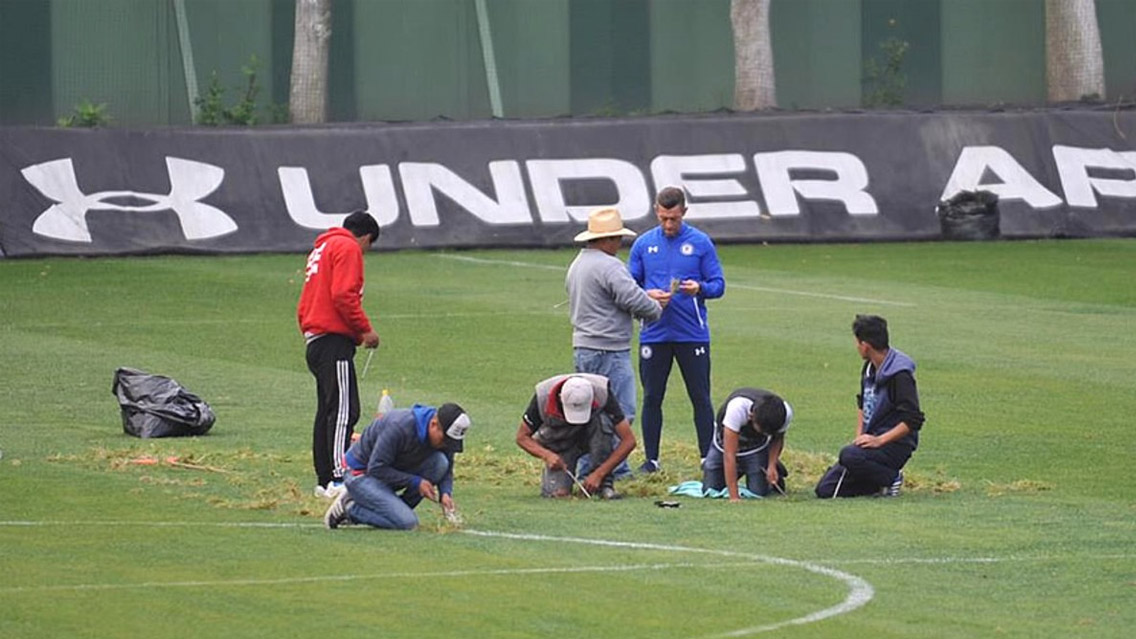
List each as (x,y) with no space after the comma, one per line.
(888,419)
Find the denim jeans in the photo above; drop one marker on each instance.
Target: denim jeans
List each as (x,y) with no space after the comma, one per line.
(616,367)
(752,466)
(377,504)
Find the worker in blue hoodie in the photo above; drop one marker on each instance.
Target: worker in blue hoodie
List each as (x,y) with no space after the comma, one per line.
(402,457)
(677,265)
(888,422)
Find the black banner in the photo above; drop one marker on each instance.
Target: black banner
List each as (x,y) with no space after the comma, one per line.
(751,177)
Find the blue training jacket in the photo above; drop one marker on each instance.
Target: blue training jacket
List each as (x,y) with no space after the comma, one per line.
(657,259)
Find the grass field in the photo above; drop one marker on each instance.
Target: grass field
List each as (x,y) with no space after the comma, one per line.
(1019,519)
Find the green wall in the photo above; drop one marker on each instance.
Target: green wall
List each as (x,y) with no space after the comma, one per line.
(421,59)
(993,52)
(816,53)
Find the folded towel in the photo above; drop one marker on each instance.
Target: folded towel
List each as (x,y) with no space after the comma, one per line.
(694,489)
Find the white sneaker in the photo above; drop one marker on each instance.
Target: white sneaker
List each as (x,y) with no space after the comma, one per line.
(336,514)
(333,490)
(892,490)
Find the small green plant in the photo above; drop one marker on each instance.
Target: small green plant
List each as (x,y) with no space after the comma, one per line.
(886,80)
(211,109)
(86,114)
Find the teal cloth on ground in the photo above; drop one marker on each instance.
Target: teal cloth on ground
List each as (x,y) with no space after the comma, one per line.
(694,489)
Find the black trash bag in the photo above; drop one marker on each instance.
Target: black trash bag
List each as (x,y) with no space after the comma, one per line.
(970,215)
(157,406)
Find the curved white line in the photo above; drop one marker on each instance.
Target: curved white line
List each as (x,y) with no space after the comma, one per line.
(860,592)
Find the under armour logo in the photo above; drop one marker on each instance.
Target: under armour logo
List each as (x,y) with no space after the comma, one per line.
(652,249)
(189,182)
(701,350)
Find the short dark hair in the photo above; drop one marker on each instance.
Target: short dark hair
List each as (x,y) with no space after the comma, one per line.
(671,197)
(769,415)
(361,223)
(872,329)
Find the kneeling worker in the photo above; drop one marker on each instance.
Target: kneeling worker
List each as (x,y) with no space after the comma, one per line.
(749,435)
(403,456)
(570,415)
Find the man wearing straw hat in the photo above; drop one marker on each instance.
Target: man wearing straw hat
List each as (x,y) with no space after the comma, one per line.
(603,300)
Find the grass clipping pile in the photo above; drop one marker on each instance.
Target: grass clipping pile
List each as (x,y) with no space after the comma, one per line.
(245,479)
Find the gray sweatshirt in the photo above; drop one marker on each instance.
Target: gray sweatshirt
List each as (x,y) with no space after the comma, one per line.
(602,300)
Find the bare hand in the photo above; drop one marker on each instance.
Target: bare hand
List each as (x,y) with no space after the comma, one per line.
(660,296)
(370,339)
(771,475)
(447,502)
(690,287)
(867,441)
(426,489)
(592,482)
(554,462)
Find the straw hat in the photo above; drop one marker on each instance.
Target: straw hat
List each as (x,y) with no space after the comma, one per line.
(604,223)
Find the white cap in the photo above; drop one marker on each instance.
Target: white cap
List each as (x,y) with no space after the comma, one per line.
(576,396)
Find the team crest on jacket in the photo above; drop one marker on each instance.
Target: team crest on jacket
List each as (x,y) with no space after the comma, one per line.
(687,249)
(645,352)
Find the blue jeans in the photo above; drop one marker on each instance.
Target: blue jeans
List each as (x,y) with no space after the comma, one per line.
(751,466)
(377,504)
(616,367)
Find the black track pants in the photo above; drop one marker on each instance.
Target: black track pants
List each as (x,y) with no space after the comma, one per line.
(331,361)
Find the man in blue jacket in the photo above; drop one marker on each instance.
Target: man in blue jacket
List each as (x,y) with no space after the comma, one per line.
(888,419)
(402,457)
(678,266)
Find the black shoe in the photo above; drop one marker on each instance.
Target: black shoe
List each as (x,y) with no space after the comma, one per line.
(650,466)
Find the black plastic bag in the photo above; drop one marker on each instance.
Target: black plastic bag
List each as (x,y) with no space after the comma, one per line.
(970,215)
(157,406)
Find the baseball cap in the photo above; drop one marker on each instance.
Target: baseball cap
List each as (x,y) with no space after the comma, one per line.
(576,396)
(454,422)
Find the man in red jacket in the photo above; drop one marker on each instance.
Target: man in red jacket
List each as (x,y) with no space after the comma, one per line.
(333,322)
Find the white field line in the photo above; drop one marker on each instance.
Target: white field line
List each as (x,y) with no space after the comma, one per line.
(785,291)
(489,572)
(827,296)
(482,260)
(860,592)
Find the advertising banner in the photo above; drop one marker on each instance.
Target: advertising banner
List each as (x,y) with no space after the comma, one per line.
(774,177)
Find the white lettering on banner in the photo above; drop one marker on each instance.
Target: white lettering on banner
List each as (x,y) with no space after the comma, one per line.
(378,189)
(773,171)
(1017,183)
(189,182)
(633,199)
(420,179)
(1073,166)
(676,170)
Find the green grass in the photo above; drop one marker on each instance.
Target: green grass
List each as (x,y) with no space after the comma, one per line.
(1019,519)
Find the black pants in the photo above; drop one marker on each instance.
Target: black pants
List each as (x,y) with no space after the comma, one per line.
(654,370)
(331,361)
(863,471)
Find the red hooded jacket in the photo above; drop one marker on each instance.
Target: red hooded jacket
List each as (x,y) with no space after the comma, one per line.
(331,301)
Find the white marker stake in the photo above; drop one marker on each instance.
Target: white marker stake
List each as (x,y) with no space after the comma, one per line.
(585,490)
(368,364)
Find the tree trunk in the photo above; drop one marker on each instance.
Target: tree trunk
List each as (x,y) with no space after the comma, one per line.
(307,101)
(1074,64)
(754,86)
